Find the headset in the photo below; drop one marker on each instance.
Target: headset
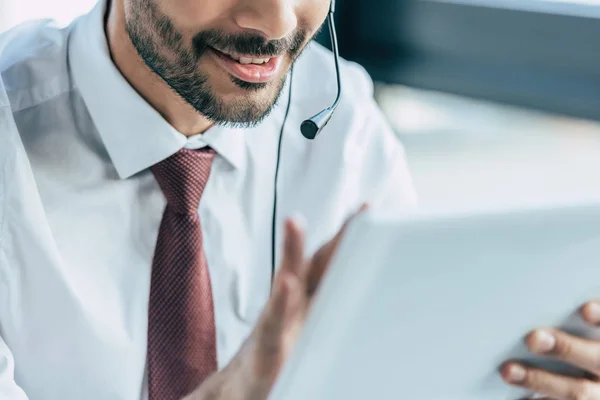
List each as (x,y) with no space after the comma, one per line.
(310,128)
(313,126)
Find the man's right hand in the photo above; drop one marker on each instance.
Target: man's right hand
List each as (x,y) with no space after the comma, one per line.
(252,373)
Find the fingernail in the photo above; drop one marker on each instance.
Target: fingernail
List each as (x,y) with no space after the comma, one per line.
(516,373)
(593,313)
(542,342)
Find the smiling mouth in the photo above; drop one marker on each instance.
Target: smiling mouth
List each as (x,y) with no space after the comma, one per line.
(246,59)
(249,68)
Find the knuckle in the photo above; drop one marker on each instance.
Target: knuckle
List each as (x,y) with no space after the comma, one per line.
(534,380)
(563,347)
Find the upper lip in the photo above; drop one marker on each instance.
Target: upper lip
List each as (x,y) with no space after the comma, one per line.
(239,55)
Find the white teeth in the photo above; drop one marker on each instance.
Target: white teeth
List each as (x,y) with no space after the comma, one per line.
(249,60)
(260,60)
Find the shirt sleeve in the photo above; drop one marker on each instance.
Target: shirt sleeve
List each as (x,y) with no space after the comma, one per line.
(396,193)
(393,187)
(386,180)
(9,390)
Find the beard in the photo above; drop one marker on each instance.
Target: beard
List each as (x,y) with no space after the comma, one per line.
(163,49)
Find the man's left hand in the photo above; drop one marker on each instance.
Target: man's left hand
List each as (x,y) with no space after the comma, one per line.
(584,354)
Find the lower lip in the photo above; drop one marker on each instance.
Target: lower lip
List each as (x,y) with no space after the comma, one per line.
(253,73)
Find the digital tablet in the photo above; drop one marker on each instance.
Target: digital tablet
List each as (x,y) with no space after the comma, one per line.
(429,306)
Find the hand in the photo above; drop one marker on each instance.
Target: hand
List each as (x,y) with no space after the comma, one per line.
(252,373)
(581,353)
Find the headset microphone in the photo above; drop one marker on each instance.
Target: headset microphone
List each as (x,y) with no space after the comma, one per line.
(310,129)
(313,126)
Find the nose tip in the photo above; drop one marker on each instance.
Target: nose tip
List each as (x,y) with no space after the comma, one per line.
(270,19)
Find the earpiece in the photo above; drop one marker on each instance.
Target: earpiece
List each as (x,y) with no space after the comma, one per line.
(313,126)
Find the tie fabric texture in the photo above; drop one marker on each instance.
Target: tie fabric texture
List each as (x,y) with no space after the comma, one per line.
(182,349)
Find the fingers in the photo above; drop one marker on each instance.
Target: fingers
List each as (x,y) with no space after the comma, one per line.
(591,313)
(293,251)
(553,386)
(289,277)
(338,238)
(537,397)
(581,353)
(363,208)
(272,325)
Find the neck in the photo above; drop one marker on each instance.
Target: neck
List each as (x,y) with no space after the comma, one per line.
(183,117)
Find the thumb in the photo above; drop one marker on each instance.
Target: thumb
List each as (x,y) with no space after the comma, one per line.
(271,329)
(273,323)
(275,333)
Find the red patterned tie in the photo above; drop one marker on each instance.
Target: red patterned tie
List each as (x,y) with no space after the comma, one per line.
(181,325)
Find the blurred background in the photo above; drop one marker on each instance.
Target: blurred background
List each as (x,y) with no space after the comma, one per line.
(496,101)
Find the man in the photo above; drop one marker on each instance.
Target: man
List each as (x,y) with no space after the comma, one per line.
(137,176)
(138,169)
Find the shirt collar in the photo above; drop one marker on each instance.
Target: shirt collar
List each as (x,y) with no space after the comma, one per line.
(135,135)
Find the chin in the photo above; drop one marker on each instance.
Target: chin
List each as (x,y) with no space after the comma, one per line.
(251,86)
(232,101)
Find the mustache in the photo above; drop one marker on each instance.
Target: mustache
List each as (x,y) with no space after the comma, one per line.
(248,44)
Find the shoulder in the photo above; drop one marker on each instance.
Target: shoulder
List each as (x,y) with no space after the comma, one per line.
(9,136)
(3,98)
(34,62)
(358,119)
(33,69)
(10,140)
(358,135)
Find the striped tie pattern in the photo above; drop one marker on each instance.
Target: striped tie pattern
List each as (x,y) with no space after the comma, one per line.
(181,325)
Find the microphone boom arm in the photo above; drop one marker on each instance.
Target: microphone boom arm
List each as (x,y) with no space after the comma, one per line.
(313,126)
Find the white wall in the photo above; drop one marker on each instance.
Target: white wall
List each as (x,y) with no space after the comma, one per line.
(13,12)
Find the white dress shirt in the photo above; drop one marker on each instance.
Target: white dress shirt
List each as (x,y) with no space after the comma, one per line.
(80,211)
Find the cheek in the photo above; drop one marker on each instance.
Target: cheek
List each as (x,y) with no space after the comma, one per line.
(193,15)
(312,13)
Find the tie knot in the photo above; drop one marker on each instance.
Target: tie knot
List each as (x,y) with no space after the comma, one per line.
(182,178)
